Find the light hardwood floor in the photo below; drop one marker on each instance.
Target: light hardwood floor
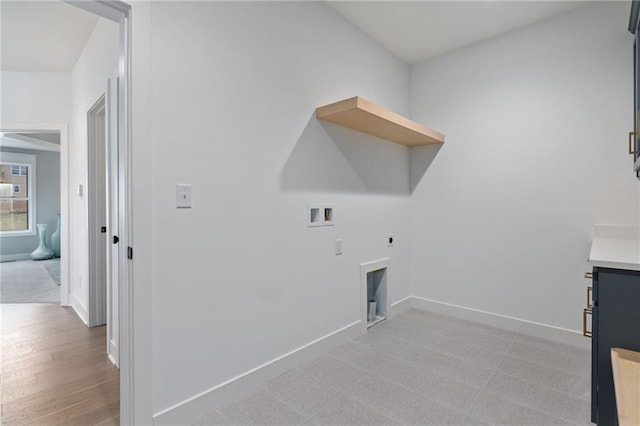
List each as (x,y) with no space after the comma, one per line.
(54,369)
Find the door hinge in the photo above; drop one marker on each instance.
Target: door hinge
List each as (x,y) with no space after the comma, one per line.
(130,253)
(103,229)
(116,239)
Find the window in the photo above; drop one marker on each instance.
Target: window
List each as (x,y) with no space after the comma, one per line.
(17,194)
(18,170)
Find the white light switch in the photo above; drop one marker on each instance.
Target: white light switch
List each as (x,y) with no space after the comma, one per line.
(183,196)
(339,246)
(79,190)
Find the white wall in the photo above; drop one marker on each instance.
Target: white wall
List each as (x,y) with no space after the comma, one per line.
(239,279)
(47,196)
(536,153)
(97,63)
(35,97)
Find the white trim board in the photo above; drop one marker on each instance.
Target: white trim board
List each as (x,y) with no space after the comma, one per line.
(14,257)
(400,307)
(194,408)
(531,328)
(80,309)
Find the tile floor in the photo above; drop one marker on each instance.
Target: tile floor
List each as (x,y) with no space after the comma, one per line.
(422,368)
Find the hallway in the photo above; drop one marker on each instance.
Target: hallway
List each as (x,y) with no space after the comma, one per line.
(54,369)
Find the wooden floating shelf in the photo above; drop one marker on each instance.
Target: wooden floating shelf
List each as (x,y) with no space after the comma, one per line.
(626,379)
(363,116)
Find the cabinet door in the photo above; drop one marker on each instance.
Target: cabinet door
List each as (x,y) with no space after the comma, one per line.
(634,29)
(618,325)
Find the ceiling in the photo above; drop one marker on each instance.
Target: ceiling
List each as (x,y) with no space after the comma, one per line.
(50,35)
(42,35)
(38,141)
(418,30)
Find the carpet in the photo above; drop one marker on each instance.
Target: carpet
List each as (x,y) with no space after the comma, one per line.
(29,281)
(53,269)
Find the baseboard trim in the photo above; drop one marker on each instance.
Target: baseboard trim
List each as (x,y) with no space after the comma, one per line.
(531,328)
(400,306)
(81,311)
(194,408)
(112,360)
(14,257)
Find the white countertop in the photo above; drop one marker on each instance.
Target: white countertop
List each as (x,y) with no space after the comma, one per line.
(615,246)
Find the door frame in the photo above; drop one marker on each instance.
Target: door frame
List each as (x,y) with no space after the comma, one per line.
(132,388)
(63,130)
(95,255)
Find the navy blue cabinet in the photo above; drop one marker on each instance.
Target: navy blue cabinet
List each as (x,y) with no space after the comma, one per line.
(634,137)
(615,323)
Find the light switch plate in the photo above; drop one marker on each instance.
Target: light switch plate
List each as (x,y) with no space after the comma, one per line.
(183,196)
(338,246)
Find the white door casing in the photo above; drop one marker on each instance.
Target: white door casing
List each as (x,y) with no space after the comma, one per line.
(134,328)
(113,222)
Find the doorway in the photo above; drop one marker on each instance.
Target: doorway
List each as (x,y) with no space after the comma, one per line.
(117,12)
(42,200)
(118,107)
(30,216)
(103,209)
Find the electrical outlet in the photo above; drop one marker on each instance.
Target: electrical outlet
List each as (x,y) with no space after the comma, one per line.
(390,240)
(338,246)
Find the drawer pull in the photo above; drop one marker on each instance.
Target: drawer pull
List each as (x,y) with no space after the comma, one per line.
(585,312)
(589,303)
(631,135)
(588,275)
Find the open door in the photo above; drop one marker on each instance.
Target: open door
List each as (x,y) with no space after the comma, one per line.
(97,213)
(113,215)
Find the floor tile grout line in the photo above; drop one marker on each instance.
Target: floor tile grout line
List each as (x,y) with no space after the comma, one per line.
(416,393)
(448,355)
(413,363)
(343,392)
(441,335)
(544,386)
(538,364)
(493,372)
(523,380)
(385,414)
(338,395)
(549,349)
(276,396)
(529,406)
(569,373)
